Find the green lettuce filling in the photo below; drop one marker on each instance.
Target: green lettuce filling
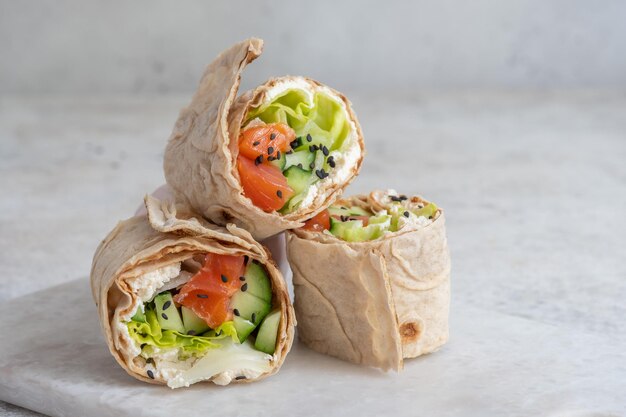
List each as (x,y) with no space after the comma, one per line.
(149,334)
(320,124)
(324,119)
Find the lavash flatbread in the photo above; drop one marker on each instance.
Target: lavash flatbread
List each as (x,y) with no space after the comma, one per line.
(200,157)
(165,236)
(376,302)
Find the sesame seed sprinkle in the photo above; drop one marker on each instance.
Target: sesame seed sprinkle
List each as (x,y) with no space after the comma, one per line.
(270,150)
(279,193)
(406,214)
(236,312)
(224,278)
(308,137)
(325,150)
(257,143)
(244,287)
(312,165)
(150,374)
(242,278)
(202,296)
(278,155)
(164,316)
(273,136)
(240,377)
(258,160)
(167,305)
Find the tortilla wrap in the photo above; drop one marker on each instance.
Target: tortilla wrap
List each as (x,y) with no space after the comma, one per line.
(146,243)
(375,302)
(200,157)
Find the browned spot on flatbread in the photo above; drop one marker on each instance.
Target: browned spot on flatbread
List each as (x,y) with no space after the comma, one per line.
(409,332)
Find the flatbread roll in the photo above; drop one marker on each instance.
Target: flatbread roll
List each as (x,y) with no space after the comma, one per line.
(156,282)
(382,296)
(265,161)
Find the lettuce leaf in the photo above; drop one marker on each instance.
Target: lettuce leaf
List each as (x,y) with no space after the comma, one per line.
(149,333)
(324,119)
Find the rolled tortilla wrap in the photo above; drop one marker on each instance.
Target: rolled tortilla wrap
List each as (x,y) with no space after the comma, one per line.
(203,162)
(376,301)
(160,253)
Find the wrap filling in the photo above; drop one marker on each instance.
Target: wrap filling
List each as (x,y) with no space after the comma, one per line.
(361,222)
(294,146)
(210,317)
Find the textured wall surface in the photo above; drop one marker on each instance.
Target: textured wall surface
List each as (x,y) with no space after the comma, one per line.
(86,47)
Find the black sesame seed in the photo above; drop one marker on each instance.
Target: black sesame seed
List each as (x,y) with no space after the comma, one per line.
(191,332)
(164,316)
(406,214)
(308,137)
(202,296)
(224,278)
(236,312)
(150,374)
(244,287)
(319,173)
(257,143)
(278,155)
(253,317)
(299,165)
(279,193)
(331,162)
(242,278)
(395,198)
(246,258)
(149,360)
(240,377)
(344,208)
(167,305)
(403,197)
(273,136)
(258,160)
(270,158)
(270,150)
(295,143)
(312,165)
(325,150)
(343,218)
(430,217)
(312,148)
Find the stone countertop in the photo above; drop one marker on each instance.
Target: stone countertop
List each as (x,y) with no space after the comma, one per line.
(533,184)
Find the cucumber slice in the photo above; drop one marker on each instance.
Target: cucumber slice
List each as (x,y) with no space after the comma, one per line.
(348,211)
(167,313)
(257,283)
(194,325)
(280,162)
(297,178)
(354,231)
(300,159)
(247,305)
(268,332)
(243,327)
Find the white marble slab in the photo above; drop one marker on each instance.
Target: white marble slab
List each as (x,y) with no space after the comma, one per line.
(55,361)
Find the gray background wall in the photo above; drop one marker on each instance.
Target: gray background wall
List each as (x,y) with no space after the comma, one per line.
(147,47)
